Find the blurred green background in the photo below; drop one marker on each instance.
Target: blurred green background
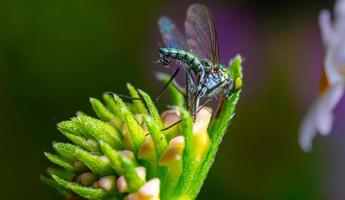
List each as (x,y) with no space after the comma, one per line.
(54,55)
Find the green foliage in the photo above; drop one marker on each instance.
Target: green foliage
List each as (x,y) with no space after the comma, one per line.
(188,154)
(59,161)
(158,138)
(52,183)
(236,67)
(85,192)
(114,157)
(109,148)
(133,180)
(136,133)
(152,108)
(138,104)
(97,164)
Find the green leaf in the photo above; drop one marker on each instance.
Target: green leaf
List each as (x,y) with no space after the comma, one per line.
(97,164)
(138,104)
(100,130)
(123,166)
(66,175)
(177,98)
(89,144)
(111,105)
(114,157)
(133,180)
(152,108)
(59,161)
(187,175)
(85,192)
(135,132)
(157,135)
(219,125)
(70,127)
(101,111)
(236,67)
(52,183)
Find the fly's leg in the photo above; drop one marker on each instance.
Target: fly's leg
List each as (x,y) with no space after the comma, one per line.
(190,88)
(172,125)
(190,83)
(196,107)
(203,105)
(167,84)
(187,91)
(160,92)
(179,121)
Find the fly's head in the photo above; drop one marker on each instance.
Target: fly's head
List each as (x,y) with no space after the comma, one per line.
(164,60)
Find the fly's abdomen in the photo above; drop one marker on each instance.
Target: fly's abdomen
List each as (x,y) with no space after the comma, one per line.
(190,60)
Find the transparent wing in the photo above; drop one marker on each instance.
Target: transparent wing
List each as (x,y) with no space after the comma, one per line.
(172,37)
(201,32)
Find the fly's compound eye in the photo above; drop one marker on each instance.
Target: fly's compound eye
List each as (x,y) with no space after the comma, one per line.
(224,72)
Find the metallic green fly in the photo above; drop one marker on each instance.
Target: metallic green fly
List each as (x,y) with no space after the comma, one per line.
(198,53)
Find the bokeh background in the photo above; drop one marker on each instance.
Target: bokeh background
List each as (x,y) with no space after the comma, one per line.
(54,55)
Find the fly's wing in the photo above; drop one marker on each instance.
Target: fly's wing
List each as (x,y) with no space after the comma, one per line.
(201,33)
(172,37)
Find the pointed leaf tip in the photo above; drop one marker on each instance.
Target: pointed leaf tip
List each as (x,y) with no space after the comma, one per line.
(97,164)
(138,104)
(83,191)
(59,161)
(152,108)
(101,111)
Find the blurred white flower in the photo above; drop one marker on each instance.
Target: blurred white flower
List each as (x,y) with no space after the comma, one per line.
(319,119)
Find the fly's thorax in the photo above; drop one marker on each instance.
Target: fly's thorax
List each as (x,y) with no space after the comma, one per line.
(213,82)
(208,65)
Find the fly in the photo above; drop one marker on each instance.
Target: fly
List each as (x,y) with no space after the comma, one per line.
(198,53)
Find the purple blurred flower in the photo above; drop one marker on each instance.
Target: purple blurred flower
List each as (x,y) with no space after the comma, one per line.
(319,119)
